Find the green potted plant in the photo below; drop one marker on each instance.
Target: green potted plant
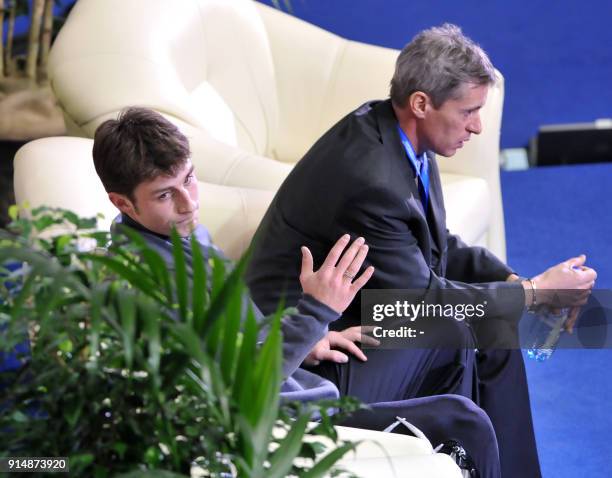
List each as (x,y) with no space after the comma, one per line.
(128,371)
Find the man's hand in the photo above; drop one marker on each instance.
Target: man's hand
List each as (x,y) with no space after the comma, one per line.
(570,274)
(334,284)
(567,284)
(324,348)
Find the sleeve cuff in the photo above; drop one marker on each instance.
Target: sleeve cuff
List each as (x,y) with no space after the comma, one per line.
(310,306)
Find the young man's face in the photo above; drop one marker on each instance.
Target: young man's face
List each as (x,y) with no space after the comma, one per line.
(444,130)
(163,202)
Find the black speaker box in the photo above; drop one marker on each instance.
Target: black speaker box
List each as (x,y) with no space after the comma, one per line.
(572,144)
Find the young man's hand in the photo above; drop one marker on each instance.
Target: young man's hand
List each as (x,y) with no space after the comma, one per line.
(335,284)
(324,348)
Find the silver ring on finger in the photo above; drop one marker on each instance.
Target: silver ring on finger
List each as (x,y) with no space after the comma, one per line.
(348,275)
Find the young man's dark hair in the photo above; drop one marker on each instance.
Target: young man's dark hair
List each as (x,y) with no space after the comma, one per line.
(137,146)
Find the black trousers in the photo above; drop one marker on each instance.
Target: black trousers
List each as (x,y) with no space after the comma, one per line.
(444,392)
(504,395)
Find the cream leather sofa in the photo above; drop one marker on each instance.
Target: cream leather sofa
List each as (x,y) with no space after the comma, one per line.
(253,88)
(59,172)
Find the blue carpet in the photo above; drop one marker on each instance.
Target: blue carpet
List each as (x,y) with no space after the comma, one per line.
(553,214)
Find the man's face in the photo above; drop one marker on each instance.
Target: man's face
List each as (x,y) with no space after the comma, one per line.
(164,201)
(447,128)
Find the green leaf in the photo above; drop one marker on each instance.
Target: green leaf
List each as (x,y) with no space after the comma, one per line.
(98,298)
(220,391)
(80,461)
(19,417)
(37,211)
(262,409)
(282,460)
(325,427)
(44,222)
(152,456)
(62,242)
(72,218)
(66,346)
(181,277)
(24,295)
(49,300)
(102,238)
(150,318)
(190,342)
(134,236)
(131,260)
(222,291)
(328,461)
(214,337)
(120,447)
(88,223)
(150,257)
(231,328)
(143,283)
(127,315)
(243,376)
(199,291)
(72,412)
(160,271)
(247,461)
(219,274)
(13,212)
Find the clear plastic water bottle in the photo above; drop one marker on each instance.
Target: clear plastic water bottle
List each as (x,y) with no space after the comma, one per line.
(545,332)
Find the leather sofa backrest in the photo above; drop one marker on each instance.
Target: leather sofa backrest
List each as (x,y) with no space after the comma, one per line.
(206,62)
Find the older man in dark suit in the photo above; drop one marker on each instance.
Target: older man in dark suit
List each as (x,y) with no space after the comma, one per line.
(374,175)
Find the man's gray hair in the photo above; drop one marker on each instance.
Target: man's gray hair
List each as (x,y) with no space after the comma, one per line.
(438,61)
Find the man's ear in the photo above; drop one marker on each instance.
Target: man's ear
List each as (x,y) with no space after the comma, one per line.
(123,203)
(418,103)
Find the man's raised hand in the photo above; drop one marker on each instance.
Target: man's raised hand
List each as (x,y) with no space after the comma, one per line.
(335,284)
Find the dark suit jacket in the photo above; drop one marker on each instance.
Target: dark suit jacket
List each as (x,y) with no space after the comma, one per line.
(357,179)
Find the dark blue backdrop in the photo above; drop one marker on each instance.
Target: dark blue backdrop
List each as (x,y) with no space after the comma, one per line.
(556,56)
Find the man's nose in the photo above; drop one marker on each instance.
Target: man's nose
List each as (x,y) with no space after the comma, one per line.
(475,126)
(185,203)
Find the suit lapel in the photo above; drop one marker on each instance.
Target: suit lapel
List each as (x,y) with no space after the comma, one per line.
(387,124)
(436,220)
(437,214)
